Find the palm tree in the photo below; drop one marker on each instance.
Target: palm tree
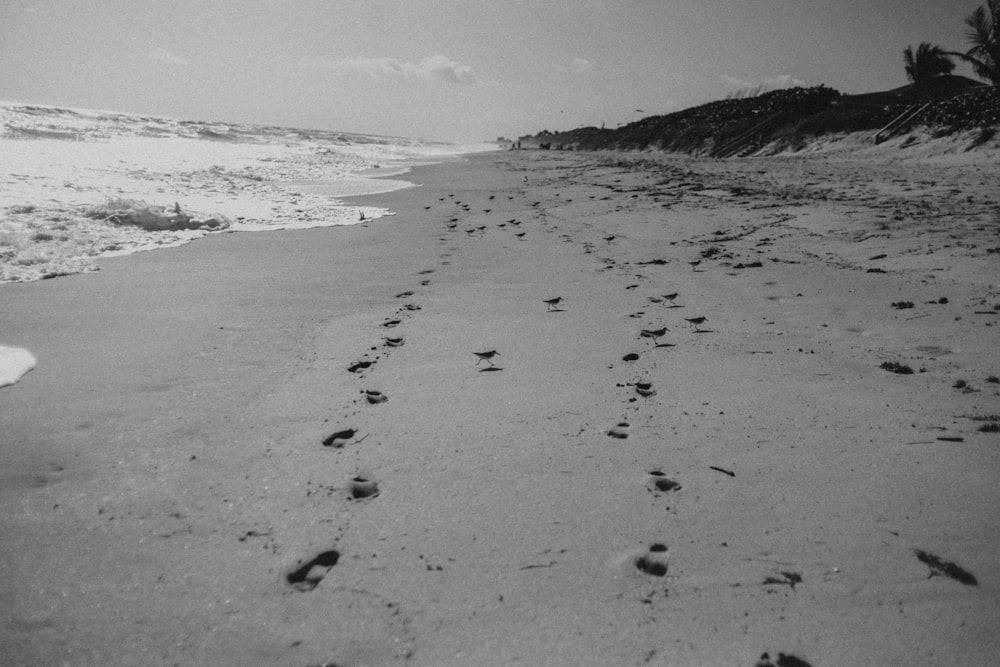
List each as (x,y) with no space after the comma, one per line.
(983,33)
(929,61)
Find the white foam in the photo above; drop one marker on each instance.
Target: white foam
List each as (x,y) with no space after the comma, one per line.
(55,163)
(14,363)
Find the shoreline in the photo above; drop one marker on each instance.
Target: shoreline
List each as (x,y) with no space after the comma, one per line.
(169,183)
(168,495)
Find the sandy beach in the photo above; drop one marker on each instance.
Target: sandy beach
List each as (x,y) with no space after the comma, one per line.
(280,448)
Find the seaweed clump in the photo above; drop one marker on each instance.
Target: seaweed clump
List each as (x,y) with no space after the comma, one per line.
(896,367)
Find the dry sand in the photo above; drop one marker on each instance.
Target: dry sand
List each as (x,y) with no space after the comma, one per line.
(166,496)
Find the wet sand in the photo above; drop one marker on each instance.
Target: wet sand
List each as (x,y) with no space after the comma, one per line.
(279,448)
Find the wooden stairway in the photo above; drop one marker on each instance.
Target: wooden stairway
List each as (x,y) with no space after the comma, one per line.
(900,122)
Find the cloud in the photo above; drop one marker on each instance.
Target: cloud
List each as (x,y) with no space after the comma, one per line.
(432,68)
(578,65)
(167,57)
(440,67)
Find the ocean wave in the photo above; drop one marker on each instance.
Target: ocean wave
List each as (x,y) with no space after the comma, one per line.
(209,133)
(15,132)
(174,181)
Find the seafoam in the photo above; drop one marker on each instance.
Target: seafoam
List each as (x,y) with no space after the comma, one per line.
(56,164)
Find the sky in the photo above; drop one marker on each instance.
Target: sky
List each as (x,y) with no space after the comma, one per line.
(452,70)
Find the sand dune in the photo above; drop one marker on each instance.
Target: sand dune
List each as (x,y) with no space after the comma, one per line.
(299,458)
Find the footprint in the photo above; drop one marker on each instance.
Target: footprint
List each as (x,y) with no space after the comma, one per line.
(784,660)
(619,431)
(651,566)
(391,323)
(644,389)
(363,487)
(631,356)
(394,342)
(403,295)
(340,438)
(375,397)
(425,272)
(411,306)
(307,577)
(660,483)
(359,366)
(788,578)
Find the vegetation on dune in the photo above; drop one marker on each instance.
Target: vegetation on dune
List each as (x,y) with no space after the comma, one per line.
(799,115)
(789,118)
(696,129)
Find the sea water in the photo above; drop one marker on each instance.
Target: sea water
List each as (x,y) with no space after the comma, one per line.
(64,172)
(80,184)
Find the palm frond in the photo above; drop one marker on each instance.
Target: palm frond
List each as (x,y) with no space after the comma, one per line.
(927,62)
(983,35)
(980,28)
